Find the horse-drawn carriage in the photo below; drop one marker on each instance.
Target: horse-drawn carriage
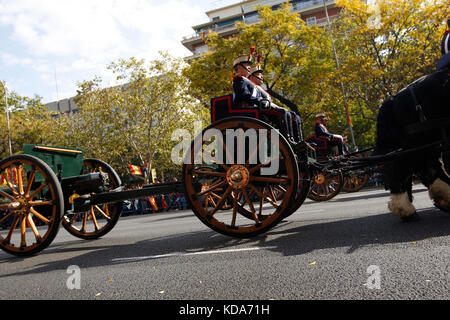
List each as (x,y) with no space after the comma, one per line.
(241,176)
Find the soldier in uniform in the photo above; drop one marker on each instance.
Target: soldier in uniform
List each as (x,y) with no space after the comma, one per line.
(321,131)
(245,92)
(444,62)
(292,119)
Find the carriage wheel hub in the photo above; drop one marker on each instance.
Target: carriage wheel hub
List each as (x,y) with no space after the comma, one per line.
(319,179)
(238,176)
(20,205)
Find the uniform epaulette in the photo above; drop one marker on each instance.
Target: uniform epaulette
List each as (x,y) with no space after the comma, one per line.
(240,76)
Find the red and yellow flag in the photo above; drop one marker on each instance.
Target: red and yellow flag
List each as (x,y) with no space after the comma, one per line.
(12,178)
(135,170)
(153,203)
(164,203)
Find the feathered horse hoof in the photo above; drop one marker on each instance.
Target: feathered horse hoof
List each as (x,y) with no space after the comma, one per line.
(439,193)
(411,218)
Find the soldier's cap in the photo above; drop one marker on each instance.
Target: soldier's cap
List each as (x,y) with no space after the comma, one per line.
(321,115)
(242,59)
(255,69)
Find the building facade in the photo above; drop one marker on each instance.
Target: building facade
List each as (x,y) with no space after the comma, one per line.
(65,106)
(223,20)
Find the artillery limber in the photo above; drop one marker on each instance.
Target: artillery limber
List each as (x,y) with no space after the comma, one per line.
(49,186)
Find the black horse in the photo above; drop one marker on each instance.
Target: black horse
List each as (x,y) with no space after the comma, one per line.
(413,121)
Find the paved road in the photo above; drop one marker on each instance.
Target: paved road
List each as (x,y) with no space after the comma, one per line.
(346,248)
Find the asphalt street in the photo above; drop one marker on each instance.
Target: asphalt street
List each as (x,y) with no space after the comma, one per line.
(349,248)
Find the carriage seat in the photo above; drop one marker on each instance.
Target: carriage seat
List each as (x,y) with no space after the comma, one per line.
(317,143)
(223,107)
(323,149)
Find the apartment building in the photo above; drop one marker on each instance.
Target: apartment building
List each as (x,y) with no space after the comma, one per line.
(223,20)
(64,106)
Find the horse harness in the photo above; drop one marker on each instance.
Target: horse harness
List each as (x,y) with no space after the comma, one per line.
(424,124)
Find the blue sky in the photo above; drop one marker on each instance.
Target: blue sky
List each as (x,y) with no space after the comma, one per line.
(47,46)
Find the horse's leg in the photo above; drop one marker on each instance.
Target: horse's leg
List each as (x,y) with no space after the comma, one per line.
(436,179)
(398,181)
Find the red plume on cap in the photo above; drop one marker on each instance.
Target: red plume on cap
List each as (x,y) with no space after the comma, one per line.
(252,50)
(258,58)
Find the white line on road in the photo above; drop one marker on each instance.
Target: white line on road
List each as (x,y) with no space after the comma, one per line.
(181,254)
(310,211)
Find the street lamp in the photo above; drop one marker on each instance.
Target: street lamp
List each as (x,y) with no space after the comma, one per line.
(7,117)
(339,74)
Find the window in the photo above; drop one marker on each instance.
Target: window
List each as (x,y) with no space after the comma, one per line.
(311,20)
(201,49)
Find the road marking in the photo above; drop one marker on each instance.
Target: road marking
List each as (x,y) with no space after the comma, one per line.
(309,211)
(181,254)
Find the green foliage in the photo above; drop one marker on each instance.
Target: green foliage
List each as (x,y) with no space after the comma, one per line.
(133,123)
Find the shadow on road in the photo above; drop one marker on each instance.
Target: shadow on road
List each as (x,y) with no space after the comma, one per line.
(288,238)
(357,196)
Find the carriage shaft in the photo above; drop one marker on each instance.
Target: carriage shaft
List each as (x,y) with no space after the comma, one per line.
(83,203)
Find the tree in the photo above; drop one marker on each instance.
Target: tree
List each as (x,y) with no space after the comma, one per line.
(296,65)
(386,46)
(134,122)
(29,122)
(381,49)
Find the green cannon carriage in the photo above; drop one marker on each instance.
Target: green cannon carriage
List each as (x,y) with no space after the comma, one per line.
(47,187)
(38,193)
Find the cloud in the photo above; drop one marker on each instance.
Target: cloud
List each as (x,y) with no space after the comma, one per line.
(97,29)
(79,38)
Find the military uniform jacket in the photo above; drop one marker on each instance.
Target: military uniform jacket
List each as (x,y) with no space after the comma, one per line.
(245,92)
(321,131)
(262,94)
(444,62)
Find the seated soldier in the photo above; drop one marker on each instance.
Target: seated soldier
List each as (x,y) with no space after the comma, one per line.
(321,131)
(293,120)
(246,94)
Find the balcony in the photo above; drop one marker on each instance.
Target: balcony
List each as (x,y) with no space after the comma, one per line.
(253,17)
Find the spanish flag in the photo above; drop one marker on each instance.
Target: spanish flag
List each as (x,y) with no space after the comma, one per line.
(2,179)
(135,170)
(12,178)
(153,203)
(164,203)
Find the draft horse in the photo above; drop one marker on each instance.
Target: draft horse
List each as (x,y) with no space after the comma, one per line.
(414,125)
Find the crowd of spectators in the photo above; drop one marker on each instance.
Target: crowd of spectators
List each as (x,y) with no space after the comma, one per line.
(153,204)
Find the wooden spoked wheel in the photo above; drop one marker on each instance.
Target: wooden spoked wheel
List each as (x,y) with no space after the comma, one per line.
(250,182)
(31,205)
(99,219)
(355,182)
(304,185)
(211,198)
(325,185)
